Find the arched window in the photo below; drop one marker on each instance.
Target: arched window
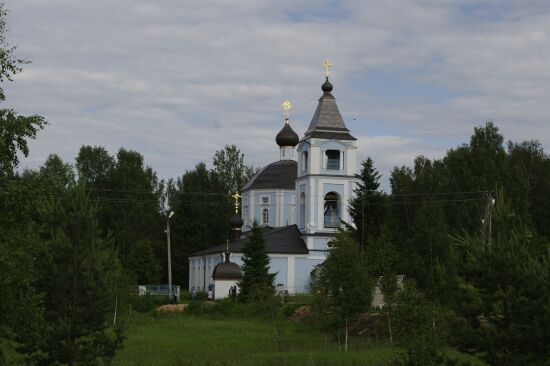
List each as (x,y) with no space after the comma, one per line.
(265,216)
(304,161)
(331,208)
(302,210)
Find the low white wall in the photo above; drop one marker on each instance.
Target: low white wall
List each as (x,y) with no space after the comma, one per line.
(221,288)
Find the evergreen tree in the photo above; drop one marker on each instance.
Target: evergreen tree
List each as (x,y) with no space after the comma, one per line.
(366,208)
(503,290)
(256,283)
(81,282)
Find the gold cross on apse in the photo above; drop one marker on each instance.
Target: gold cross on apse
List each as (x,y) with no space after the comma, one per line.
(287,106)
(236,197)
(327,64)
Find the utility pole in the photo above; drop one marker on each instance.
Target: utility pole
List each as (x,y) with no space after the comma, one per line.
(169,255)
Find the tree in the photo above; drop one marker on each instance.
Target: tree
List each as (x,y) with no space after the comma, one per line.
(9,63)
(505,282)
(15,130)
(202,211)
(256,283)
(366,207)
(19,243)
(80,272)
(414,330)
(94,165)
(229,165)
(56,175)
(343,287)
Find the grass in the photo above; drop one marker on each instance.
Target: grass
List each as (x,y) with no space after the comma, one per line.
(178,339)
(227,334)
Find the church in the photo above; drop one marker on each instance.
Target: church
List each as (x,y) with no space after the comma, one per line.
(300,201)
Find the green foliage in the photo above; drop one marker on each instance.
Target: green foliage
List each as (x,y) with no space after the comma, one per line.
(256,283)
(201,216)
(367,208)
(9,63)
(413,328)
(505,281)
(230,168)
(80,279)
(15,130)
(343,287)
(94,165)
(147,303)
(130,196)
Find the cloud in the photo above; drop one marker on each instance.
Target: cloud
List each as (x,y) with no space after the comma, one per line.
(178,80)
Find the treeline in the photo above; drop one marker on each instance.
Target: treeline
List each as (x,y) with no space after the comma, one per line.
(75,241)
(470,234)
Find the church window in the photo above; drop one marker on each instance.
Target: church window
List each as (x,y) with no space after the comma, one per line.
(331,208)
(265,216)
(304,161)
(265,200)
(302,210)
(333,159)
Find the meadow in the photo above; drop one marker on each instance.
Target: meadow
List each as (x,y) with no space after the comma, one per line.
(185,339)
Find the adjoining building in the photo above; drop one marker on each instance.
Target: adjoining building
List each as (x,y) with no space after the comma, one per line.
(299,200)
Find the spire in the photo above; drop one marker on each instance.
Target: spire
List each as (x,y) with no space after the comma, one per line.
(327,122)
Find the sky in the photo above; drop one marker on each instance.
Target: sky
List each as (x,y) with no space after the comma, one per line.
(177,80)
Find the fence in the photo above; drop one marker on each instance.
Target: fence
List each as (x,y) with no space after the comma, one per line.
(158,290)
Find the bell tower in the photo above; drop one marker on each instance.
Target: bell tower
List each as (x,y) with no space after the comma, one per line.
(326,172)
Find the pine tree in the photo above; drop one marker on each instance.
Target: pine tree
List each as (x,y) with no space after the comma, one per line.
(256,283)
(80,279)
(504,287)
(366,209)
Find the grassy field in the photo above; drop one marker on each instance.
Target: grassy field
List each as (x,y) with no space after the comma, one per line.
(193,340)
(180,339)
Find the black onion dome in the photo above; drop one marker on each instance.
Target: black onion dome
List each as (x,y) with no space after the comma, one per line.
(226,270)
(327,86)
(236,221)
(287,136)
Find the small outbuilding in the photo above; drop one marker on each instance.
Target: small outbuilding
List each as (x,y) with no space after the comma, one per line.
(226,277)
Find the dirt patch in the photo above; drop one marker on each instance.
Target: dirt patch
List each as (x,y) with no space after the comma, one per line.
(301,313)
(172,308)
(369,325)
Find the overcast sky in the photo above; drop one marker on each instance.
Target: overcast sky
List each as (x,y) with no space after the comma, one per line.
(177,80)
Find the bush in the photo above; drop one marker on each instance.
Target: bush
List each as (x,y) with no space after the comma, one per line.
(146,303)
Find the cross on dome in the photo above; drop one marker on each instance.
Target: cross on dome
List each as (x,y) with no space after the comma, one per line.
(327,64)
(236,197)
(287,106)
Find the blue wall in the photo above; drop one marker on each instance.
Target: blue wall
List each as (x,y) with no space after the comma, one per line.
(302,270)
(279,265)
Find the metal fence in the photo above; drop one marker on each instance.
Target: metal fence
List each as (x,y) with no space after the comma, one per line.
(158,290)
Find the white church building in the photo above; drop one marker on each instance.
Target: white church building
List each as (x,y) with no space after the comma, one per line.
(299,200)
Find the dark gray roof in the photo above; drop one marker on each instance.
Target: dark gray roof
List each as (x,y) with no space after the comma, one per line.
(226,270)
(327,122)
(283,240)
(287,136)
(279,175)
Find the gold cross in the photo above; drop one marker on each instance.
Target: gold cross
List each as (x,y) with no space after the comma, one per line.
(236,197)
(287,106)
(327,64)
